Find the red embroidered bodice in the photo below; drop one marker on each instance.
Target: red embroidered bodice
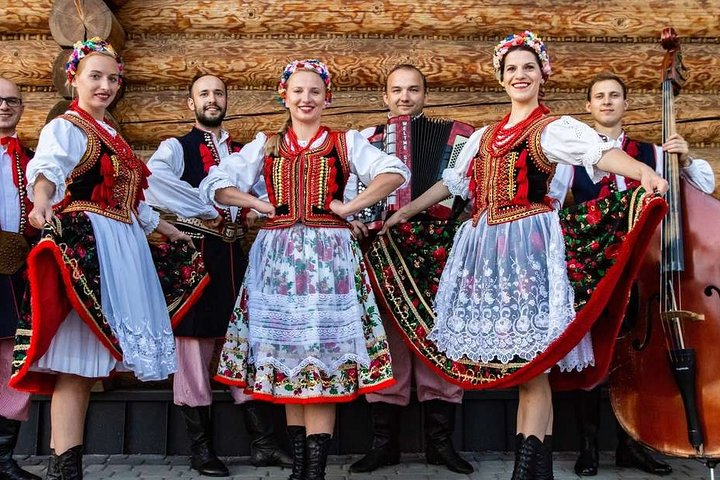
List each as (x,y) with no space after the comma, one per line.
(515,184)
(302,185)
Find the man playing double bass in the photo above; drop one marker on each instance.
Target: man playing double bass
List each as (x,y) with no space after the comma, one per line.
(607,103)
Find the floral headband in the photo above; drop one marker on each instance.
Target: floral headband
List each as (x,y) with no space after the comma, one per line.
(528,39)
(310,65)
(83,49)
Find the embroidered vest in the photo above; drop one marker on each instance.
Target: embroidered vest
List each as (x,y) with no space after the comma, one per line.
(584,189)
(513,186)
(302,186)
(109,180)
(200,153)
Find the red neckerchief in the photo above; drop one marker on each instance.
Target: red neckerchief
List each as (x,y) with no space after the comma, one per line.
(293,145)
(209,153)
(17,153)
(19,159)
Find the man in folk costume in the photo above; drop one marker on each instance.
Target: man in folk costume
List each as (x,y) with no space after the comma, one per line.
(405,95)
(607,103)
(14,207)
(177,168)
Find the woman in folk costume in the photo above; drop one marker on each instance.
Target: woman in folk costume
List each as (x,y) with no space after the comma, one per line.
(96,299)
(504,296)
(306,331)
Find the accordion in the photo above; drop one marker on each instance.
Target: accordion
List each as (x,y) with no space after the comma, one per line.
(427,146)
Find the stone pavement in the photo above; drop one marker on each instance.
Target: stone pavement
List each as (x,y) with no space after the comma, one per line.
(488,466)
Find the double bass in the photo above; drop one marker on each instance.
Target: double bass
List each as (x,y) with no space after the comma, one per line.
(665,380)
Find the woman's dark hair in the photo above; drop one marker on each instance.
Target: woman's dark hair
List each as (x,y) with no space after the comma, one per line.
(527,49)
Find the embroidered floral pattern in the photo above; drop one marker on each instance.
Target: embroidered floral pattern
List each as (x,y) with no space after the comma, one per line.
(123,175)
(346,356)
(181,271)
(593,233)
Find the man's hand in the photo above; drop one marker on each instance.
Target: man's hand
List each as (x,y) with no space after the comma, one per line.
(172,233)
(677,144)
(250,218)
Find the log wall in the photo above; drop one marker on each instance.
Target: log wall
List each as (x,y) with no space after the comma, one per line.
(247,42)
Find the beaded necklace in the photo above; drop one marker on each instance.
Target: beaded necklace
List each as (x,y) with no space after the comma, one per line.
(504,138)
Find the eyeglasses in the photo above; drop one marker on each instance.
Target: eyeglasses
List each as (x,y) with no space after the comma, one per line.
(12,102)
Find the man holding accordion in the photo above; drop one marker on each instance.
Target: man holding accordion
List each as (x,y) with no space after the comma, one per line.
(427,146)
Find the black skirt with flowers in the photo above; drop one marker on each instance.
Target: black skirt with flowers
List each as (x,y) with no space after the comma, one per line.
(225,263)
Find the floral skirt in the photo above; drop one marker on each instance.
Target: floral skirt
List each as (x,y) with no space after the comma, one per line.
(305,327)
(498,323)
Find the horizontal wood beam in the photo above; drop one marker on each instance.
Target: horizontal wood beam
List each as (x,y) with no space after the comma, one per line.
(612,18)
(171,61)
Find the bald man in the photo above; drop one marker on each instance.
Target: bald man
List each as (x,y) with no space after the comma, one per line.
(14,207)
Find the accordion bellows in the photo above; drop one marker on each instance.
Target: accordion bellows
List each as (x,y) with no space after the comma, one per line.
(427,146)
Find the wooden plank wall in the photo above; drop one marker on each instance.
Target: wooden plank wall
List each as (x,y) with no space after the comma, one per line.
(247,42)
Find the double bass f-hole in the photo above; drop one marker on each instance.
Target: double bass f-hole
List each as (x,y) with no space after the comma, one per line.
(710,289)
(639,344)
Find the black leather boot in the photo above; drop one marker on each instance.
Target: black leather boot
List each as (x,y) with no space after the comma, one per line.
(544,466)
(519,439)
(297,442)
(630,454)
(53,470)
(587,409)
(527,458)
(9,469)
(316,452)
(69,463)
(199,428)
(439,427)
(385,449)
(265,447)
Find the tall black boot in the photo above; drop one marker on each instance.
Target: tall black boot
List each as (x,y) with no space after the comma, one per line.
(199,428)
(527,458)
(69,463)
(631,454)
(297,441)
(9,469)
(265,449)
(316,453)
(385,449)
(439,427)
(587,410)
(544,466)
(53,469)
